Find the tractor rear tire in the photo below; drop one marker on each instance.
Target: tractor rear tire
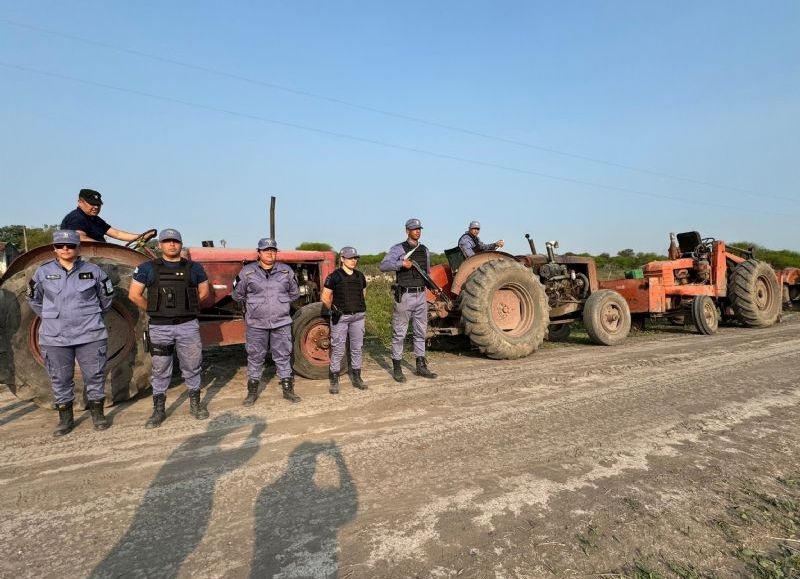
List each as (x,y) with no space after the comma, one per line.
(704,315)
(504,310)
(607,318)
(311,343)
(127,366)
(755,294)
(558,332)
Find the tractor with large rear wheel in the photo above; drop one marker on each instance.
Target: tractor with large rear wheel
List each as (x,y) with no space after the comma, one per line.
(128,366)
(507,305)
(703,280)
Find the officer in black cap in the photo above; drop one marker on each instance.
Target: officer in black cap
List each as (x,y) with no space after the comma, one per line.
(89,225)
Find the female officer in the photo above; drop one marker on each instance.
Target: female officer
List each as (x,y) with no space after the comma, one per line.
(70,296)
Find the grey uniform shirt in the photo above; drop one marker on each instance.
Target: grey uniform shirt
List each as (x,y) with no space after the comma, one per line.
(70,303)
(267,294)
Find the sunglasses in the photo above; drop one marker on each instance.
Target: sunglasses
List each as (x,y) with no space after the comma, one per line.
(354,257)
(64,245)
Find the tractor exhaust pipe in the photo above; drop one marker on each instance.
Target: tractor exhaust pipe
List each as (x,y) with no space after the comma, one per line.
(530,242)
(551,255)
(272,217)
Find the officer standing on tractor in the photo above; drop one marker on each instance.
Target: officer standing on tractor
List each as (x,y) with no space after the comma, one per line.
(267,288)
(470,243)
(88,223)
(409,298)
(344,295)
(70,296)
(175,289)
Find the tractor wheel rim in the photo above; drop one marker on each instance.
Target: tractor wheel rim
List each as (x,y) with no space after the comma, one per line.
(512,310)
(763,294)
(611,318)
(315,344)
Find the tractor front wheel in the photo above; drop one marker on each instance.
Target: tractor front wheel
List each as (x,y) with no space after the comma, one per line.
(558,332)
(704,315)
(607,318)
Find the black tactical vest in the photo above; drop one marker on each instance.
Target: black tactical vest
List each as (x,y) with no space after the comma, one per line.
(410,277)
(349,293)
(172,299)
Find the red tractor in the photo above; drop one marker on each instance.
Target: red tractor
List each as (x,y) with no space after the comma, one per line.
(128,367)
(507,304)
(702,278)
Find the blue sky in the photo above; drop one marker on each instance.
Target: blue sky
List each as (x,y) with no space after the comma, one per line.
(601,124)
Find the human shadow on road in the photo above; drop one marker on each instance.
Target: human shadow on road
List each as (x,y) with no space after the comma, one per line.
(175,511)
(297,520)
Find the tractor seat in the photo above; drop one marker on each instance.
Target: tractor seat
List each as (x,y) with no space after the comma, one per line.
(455,257)
(688,242)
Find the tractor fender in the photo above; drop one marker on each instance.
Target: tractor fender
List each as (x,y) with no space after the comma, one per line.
(471,264)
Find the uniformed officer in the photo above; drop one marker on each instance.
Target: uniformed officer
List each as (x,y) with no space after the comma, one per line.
(70,296)
(344,294)
(267,288)
(470,243)
(89,225)
(409,298)
(175,289)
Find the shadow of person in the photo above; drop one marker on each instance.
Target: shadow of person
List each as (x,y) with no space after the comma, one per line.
(176,509)
(297,518)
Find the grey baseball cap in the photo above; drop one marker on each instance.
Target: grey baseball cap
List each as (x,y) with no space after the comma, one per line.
(267,243)
(348,252)
(170,234)
(66,236)
(474,224)
(414,223)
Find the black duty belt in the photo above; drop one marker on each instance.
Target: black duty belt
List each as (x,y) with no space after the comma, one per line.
(169,321)
(411,290)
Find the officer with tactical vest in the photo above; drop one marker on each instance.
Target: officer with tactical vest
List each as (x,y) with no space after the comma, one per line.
(409,298)
(175,289)
(70,296)
(267,288)
(470,243)
(344,296)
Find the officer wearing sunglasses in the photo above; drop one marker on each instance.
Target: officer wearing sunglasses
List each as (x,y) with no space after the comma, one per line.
(70,296)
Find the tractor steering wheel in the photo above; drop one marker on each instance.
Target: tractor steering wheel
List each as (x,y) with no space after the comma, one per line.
(706,243)
(141,239)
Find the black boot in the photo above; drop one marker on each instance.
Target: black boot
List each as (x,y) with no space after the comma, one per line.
(196,408)
(397,371)
(96,410)
(159,413)
(355,379)
(334,380)
(422,368)
(287,385)
(252,393)
(66,421)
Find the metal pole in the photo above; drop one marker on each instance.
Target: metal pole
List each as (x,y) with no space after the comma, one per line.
(272,217)
(25,237)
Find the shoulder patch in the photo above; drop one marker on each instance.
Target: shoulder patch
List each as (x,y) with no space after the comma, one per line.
(86,275)
(31,289)
(135,270)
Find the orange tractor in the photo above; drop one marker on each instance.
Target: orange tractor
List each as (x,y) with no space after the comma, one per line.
(506,305)
(702,279)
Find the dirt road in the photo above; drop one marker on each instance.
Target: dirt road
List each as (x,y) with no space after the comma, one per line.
(674,455)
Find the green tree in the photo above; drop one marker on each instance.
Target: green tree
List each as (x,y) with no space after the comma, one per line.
(36,236)
(314,246)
